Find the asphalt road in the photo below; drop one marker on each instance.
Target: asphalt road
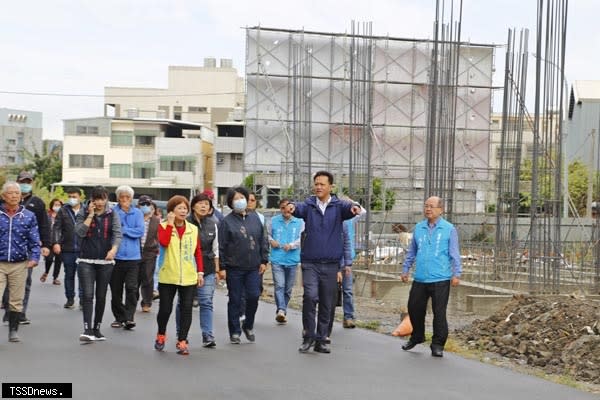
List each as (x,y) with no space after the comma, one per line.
(362,365)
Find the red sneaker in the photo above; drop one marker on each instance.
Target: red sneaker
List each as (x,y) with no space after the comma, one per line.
(182,347)
(159,343)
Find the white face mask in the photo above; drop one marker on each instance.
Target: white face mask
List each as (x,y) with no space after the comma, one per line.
(240,205)
(73,201)
(55,208)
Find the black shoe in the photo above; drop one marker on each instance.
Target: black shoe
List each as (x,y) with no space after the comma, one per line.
(409,345)
(98,335)
(23,320)
(70,303)
(249,334)
(235,339)
(322,347)
(437,351)
(306,345)
(129,325)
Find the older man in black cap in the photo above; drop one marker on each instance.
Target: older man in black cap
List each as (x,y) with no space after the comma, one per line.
(38,207)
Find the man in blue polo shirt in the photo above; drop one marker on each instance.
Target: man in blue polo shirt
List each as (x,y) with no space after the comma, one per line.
(284,237)
(434,247)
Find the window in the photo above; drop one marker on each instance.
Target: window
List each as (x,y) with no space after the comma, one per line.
(143,172)
(86,161)
(230,130)
(11,159)
(177,112)
(144,140)
(177,163)
(121,138)
(86,130)
(11,142)
(120,170)
(197,109)
(236,163)
(220,158)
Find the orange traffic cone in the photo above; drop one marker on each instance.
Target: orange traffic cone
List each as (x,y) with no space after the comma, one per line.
(404,328)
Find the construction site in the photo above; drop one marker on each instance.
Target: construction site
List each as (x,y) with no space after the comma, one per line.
(397,120)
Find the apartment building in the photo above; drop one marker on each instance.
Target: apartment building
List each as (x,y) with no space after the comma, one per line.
(20,133)
(210,95)
(159,157)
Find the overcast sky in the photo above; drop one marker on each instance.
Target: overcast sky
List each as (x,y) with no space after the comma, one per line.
(80,46)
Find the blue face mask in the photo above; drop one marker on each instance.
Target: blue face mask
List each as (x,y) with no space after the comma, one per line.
(73,202)
(25,187)
(240,205)
(146,209)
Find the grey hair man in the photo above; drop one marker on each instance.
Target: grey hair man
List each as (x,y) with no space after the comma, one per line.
(19,251)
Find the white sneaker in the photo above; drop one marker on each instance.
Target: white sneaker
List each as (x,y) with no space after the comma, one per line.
(87,336)
(280,317)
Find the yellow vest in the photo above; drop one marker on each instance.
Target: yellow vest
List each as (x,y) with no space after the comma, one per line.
(177,262)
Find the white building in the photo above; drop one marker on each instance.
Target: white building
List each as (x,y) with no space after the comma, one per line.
(208,95)
(20,133)
(159,157)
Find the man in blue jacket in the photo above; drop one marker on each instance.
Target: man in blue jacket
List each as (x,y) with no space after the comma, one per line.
(127,260)
(434,247)
(19,252)
(322,250)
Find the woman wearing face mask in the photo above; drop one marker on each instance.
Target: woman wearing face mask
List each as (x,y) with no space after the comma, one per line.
(55,205)
(243,258)
(149,243)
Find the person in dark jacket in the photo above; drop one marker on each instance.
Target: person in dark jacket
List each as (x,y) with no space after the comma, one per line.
(322,250)
(243,255)
(66,242)
(127,261)
(38,207)
(149,244)
(19,252)
(52,258)
(100,231)
(201,216)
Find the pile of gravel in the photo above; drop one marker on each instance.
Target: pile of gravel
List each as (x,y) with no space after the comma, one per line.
(560,335)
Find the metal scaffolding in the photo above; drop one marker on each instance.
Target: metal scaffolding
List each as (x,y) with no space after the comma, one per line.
(361,105)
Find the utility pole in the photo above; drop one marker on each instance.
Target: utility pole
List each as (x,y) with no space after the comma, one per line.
(590,191)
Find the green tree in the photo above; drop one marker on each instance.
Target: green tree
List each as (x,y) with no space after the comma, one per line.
(47,167)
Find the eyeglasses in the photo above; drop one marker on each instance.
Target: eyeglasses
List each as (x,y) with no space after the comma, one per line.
(145,204)
(429,206)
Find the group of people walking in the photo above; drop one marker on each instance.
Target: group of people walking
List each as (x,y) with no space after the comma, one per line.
(193,247)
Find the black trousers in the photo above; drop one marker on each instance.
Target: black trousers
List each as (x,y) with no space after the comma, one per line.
(417,308)
(125,273)
(93,279)
(146,279)
(320,288)
(167,294)
(57,260)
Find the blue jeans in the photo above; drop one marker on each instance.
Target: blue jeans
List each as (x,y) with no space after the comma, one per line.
(248,283)
(70,271)
(205,299)
(94,279)
(284,277)
(348,303)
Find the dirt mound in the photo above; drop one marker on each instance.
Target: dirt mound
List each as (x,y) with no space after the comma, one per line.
(560,335)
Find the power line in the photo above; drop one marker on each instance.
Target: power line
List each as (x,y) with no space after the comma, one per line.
(51,94)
